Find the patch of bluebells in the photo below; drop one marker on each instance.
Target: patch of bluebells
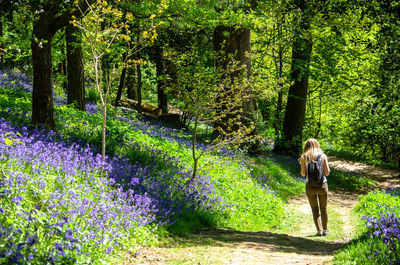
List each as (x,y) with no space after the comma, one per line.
(105,206)
(171,185)
(72,186)
(386,228)
(195,194)
(22,246)
(91,108)
(393,191)
(20,82)
(16,81)
(155,129)
(166,179)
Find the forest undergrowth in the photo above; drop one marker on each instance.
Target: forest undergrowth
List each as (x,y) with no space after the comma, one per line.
(62,204)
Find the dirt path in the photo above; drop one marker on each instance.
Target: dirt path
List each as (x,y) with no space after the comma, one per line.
(384,177)
(293,246)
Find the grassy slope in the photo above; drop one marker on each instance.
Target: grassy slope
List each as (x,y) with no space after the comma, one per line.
(254,207)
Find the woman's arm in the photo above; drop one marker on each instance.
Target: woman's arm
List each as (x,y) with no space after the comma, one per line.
(325,165)
(303,167)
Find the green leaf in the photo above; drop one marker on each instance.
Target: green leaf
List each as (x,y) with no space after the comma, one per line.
(8,142)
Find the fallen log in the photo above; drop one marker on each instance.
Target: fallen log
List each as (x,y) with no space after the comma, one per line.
(146,108)
(175,119)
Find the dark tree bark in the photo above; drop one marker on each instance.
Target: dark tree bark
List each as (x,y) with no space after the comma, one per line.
(134,76)
(42,97)
(49,20)
(75,69)
(122,81)
(161,80)
(279,107)
(291,139)
(134,84)
(138,82)
(131,90)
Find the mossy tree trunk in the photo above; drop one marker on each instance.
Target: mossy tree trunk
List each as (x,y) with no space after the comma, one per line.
(75,69)
(291,138)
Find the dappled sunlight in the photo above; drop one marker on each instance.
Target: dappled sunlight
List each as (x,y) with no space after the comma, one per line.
(384,176)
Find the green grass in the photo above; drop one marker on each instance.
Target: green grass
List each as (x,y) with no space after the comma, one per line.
(278,172)
(378,203)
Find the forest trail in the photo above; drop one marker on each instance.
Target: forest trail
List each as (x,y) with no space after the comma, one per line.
(294,246)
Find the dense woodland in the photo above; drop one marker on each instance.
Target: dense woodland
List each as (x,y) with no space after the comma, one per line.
(232,77)
(322,69)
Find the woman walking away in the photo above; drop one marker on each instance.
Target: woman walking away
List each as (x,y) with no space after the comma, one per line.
(314,166)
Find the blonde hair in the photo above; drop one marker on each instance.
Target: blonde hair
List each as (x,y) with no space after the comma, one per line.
(310,150)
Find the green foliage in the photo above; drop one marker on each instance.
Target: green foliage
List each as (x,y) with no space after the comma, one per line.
(193,221)
(353,90)
(349,181)
(149,80)
(91,95)
(17,26)
(378,203)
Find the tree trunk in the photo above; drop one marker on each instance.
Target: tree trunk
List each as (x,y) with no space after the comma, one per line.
(279,107)
(122,81)
(42,97)
(244,51)
(131,90)
(291,138)
(50,19)
(134,84)
(138,82)
(232,43)
(161,83)
(75,68)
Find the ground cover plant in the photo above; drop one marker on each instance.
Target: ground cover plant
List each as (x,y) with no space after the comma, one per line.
(380,243)
(60,203)
(146,160)
(144,181)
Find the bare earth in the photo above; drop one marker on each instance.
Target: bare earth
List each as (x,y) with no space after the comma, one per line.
(222,246)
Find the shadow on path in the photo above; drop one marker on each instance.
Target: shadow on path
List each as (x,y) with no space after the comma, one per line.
(267,241)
